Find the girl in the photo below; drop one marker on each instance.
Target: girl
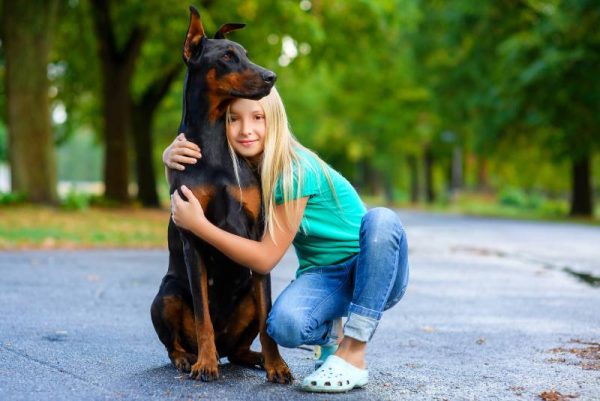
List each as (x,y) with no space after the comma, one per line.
(352,262)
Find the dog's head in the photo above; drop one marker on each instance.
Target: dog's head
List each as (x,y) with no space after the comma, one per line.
(225,64)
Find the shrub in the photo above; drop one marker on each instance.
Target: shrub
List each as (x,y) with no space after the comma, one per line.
(512,197)
(75,201)
(12,198)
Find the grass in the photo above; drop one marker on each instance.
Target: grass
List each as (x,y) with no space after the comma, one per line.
(34,227)
(477,204)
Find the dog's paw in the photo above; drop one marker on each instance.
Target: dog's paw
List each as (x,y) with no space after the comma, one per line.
(183,361)
(205,370)
(279,372)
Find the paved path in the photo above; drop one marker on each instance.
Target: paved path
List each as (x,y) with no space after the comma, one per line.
(492,309)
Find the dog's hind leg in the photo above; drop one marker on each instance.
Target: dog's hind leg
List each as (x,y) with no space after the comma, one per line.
(170,317)
(243,355)
(243,331)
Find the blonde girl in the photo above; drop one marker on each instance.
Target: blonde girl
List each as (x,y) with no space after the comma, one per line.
(352,262)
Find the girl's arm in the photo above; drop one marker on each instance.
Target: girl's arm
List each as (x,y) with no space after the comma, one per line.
(260,256)
(180,152)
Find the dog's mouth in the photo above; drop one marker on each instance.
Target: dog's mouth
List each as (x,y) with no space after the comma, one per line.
(252,95)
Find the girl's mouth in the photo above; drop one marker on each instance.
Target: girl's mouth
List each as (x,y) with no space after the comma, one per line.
(247,143)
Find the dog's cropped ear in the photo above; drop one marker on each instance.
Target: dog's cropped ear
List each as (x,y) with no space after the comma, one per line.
(227,28)
(195,36)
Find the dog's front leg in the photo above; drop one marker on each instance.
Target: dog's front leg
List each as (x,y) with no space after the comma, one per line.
(276,368)
(206,368)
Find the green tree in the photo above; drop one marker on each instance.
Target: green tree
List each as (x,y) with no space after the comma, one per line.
(117,59)
(550,82)
(27,31)
(517,72)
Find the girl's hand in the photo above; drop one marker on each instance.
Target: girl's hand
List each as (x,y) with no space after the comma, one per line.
(187,214)
(180,152)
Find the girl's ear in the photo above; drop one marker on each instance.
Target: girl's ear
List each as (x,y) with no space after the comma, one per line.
(195,36)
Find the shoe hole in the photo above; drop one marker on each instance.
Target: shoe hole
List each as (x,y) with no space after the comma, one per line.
(313,383)
(347,381)
(328,383)
(340,384)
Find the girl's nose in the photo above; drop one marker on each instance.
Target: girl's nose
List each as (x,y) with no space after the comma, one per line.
(246,128)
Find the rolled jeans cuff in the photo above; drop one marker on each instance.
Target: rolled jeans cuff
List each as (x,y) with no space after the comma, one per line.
(361,323)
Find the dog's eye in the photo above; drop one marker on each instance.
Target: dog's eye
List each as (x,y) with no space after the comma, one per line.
(227,56)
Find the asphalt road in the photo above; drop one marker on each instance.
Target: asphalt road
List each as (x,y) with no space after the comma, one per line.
(495,310)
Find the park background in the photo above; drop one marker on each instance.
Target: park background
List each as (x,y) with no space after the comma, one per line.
(475,107)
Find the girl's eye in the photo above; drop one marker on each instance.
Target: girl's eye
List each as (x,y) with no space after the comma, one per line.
(260,117)
(233,119)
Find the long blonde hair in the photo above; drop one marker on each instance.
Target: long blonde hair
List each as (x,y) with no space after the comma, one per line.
(280,159)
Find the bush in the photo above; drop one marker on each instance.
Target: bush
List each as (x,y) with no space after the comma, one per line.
(512,197)
(11,198)
(535,201)
(75,201)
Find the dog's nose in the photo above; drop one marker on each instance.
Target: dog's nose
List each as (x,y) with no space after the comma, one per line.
(269,77)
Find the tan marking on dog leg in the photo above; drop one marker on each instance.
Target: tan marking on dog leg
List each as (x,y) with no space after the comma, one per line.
(172,312)
(206,368)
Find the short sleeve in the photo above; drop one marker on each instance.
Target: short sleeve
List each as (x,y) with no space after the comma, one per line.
(310,179)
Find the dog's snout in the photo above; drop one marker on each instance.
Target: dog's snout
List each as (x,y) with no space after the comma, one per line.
(269,77)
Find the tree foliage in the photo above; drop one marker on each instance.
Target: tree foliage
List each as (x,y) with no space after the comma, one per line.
(394,93)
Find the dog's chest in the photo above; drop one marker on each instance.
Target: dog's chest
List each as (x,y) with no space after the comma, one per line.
(219,192)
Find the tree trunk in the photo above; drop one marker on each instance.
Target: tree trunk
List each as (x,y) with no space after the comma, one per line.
(144,168)
(482,174)
(388,189)
(27,30)
(581,191)
(457,169)
(428,167)
(116,109)
(413,167)
(143,115)
(117,73)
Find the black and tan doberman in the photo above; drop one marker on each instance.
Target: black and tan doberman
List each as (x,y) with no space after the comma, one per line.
(208,306)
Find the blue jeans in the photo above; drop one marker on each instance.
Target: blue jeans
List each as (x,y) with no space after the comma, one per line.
(361,287)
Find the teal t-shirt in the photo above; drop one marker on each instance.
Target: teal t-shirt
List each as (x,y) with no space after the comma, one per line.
(329,230)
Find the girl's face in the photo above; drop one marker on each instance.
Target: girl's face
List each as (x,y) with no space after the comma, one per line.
(246,129)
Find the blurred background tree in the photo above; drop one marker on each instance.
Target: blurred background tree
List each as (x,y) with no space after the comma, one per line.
(26,42)
(413,100)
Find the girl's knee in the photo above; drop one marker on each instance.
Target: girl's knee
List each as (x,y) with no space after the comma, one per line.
(380,224)
(382,218)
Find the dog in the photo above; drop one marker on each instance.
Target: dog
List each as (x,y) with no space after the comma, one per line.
(208,306)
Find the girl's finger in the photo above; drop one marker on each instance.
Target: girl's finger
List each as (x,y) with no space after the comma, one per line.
(186,146)
(185,160)
(191,152)
(192,146)
(188,194)
(175,166)
(189,144)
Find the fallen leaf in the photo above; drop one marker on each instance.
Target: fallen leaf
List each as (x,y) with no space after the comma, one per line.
(554,395)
